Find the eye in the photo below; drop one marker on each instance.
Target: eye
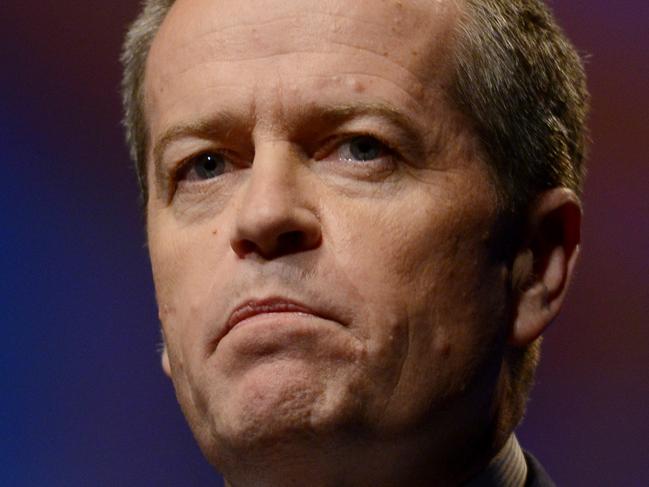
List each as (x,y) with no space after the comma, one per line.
(363,148)
(207,165)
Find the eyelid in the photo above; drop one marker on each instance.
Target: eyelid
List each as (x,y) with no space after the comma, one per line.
(334,142)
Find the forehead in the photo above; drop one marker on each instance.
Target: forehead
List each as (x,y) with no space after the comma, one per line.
(271,26)
(225,47)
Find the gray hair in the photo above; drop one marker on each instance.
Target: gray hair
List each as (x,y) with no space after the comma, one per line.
(522,84)
(135,51)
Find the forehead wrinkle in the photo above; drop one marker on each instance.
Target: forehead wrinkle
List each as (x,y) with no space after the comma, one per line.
(224,48)
(413,86)
(402,67)
(225,42)
(294,19)
(410,72)
(245,26)
(412,94)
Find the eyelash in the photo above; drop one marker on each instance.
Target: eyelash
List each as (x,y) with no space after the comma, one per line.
(338,141)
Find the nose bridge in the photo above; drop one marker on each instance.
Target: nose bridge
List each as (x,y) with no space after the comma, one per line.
(273,185)
(275,215)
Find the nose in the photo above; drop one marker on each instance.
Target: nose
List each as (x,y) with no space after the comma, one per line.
(275,216)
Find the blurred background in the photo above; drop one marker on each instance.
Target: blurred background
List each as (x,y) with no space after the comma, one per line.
(83,399)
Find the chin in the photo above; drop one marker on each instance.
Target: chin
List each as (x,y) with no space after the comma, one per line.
(276,405)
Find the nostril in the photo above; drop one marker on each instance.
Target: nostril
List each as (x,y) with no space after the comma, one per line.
(289,231)
(285,243)
(245,247)
(290,241)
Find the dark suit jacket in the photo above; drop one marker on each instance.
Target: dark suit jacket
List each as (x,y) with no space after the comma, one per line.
(536,475)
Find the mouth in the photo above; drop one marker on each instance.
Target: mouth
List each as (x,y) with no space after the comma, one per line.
(250,309)
(271,310)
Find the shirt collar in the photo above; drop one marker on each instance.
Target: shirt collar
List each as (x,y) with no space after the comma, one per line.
(507,469)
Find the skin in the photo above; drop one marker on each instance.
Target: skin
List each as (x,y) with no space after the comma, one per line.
(393,376)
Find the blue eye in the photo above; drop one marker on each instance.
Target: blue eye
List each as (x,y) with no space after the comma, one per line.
(364,148)
(205,166)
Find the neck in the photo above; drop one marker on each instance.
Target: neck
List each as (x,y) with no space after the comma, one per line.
(350,462)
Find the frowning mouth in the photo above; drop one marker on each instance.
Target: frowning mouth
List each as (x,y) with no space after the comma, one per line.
(252,308)
(269,315)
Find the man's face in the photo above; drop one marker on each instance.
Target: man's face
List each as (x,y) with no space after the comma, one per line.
(311,184)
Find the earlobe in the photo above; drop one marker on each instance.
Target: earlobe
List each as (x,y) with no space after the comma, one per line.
(164,356)
(543,266)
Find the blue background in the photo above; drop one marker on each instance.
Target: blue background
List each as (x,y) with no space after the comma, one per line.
(84,401)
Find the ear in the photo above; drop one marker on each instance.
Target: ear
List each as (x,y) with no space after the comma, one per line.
(164,356)
(544,264)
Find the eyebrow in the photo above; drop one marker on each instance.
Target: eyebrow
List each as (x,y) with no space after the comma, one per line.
(217,125)
(339,114)
(412,136)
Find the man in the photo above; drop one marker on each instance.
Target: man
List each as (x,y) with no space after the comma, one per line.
(361,218)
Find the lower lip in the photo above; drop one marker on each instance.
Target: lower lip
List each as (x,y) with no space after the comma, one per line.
(268,333)
(277,317)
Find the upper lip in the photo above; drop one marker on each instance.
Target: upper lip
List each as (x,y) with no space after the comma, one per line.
(254,307)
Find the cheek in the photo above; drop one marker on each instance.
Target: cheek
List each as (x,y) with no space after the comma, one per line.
(183,284)
(457,329)
(425,311)
(407,253)
(183,289)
